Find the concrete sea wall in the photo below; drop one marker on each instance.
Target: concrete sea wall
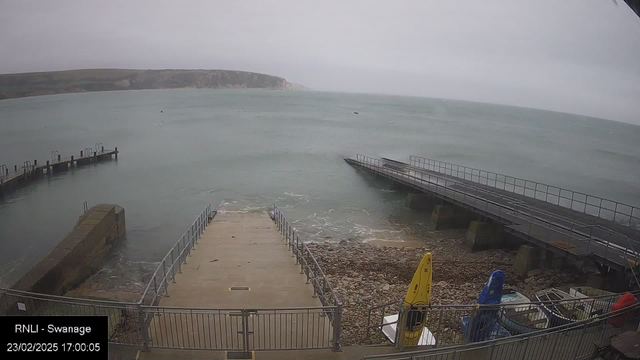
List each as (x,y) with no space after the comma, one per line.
(80,254)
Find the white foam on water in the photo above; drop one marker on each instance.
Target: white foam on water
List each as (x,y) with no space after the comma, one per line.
(245,210)
(367,234)
(302,197)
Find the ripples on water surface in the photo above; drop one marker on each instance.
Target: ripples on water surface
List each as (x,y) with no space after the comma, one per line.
(246,149)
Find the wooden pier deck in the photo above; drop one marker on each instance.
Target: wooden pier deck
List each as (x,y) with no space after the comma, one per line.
(17,176)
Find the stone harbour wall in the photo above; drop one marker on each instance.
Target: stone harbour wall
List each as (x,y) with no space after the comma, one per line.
(80,254)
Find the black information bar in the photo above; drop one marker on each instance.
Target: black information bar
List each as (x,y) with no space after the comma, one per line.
(49,337)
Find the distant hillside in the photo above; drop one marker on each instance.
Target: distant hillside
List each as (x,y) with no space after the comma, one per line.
(58,82)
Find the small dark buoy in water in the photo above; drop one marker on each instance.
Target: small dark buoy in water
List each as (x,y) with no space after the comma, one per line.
(355,112)
(160,111)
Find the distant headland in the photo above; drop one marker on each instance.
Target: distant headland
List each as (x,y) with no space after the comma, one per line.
(71,81)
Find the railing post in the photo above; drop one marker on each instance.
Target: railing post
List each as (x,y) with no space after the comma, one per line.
(493,346)
(293,244)
(155,285)
(337,327)
(308,272)
(166,285)
(301,261)
(399,340)
(184,245)
(196,234)
(173,268)
(144,331)
(579,343)
(179,259)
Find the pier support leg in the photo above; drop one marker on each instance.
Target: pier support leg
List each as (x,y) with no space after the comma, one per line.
(529,257)
(532,257)
(398,186)
(60,167)
(485,235)
(421,202)
(553,260)
(450,217)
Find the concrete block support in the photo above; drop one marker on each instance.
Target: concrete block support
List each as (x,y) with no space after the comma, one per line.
(421,202)
(533,257)
(450,217)
(485,235)
(529,257)
(399,187)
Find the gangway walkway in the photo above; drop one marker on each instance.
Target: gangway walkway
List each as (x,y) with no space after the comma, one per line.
(241,289)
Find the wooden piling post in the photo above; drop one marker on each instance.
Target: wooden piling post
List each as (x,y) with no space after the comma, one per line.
(116,153)
(102,149)
(81,154)
(71,161)
(15,168)
(35,162)
(59,157)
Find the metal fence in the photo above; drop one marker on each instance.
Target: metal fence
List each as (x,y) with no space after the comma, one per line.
(240,329)
(573,239)
(618,212)
(308,263)
(124,325)
(449,325)
(171,264)
(571,341)
(314,274)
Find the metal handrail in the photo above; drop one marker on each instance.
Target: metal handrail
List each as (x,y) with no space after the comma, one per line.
(237,309)
(573,229)
(289,233)
(507,305)
(628,314)
(65,299)
(314,273)
(510,212)
(475,175)
(439,317)
(188,241)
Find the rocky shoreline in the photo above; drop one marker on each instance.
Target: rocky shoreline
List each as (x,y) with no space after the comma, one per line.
(365,275)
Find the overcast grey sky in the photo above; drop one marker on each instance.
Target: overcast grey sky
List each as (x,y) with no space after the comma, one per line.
(578,56)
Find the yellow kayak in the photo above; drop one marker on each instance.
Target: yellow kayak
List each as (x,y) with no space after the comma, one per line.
(418,297)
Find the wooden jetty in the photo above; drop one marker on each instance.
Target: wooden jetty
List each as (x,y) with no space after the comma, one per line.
(13,178)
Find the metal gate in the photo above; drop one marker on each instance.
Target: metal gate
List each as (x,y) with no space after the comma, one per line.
(242,330)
